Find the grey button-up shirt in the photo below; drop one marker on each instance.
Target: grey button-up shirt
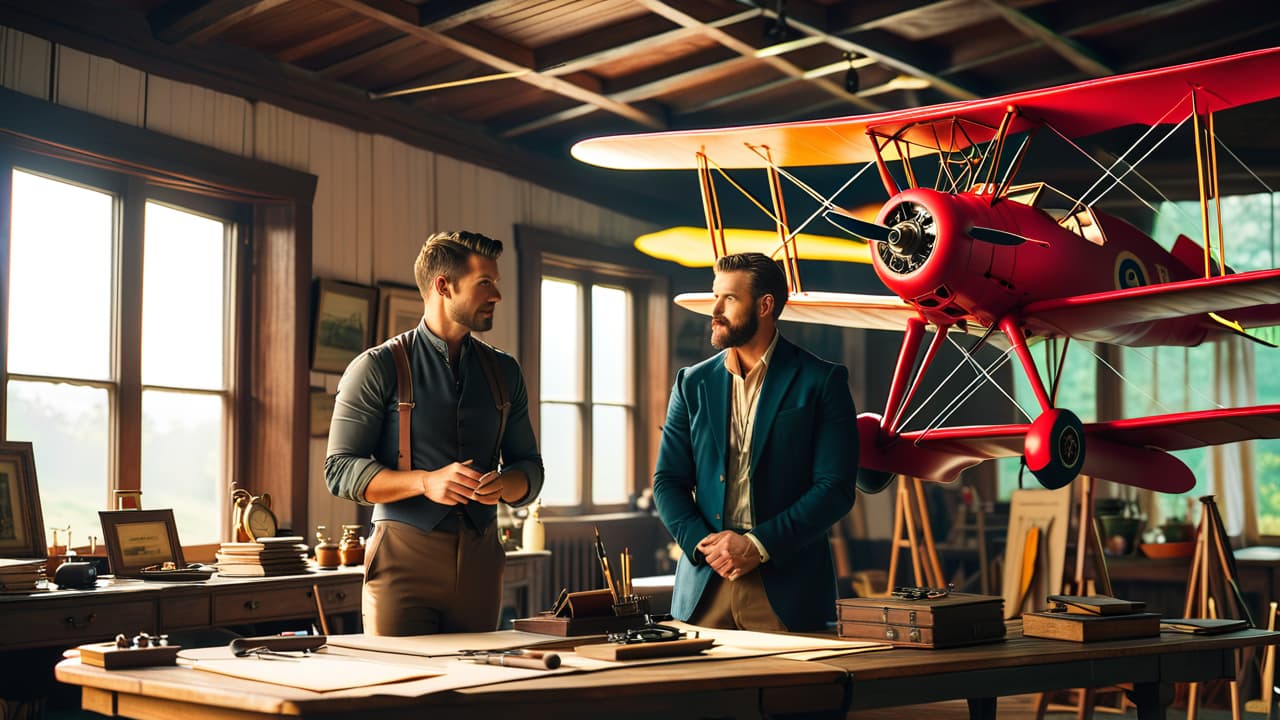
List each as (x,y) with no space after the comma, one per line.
(453,420)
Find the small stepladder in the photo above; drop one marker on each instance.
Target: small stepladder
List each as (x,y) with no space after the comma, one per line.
(912,513)
(1214,579)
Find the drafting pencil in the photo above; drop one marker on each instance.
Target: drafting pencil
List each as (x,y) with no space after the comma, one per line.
(604,565)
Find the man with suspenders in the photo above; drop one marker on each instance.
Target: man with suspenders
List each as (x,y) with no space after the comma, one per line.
(432,428)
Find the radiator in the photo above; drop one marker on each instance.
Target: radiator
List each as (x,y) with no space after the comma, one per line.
(574,565)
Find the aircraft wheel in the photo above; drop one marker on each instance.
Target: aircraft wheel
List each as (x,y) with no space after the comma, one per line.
(873,481)
(1054,448)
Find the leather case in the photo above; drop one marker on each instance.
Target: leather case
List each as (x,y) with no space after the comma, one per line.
(957,619)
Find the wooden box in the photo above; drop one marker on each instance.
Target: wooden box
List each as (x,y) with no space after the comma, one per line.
(954,620)
(548,624)
(107,655)
(1089,628)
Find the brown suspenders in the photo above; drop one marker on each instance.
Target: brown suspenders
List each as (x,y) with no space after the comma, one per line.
(404,383)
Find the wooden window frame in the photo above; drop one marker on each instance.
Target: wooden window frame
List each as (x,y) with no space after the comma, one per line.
(270,309)
(543,252)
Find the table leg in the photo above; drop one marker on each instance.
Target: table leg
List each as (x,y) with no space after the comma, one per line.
(982,708)
(1152,700)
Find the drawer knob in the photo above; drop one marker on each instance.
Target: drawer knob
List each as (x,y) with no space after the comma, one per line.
(77,624)
(341,595)
(250,604)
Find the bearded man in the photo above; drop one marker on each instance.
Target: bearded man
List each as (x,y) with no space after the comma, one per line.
(758,460)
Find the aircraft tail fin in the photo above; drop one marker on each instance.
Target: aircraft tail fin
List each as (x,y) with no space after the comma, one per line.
(1191,253)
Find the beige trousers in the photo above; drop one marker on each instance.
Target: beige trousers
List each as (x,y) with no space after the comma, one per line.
(738,604)
(420,583)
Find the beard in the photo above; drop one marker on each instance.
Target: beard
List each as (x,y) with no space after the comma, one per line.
(478,321)
(730,335)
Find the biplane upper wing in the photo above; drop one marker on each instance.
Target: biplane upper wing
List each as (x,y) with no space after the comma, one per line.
(1131,316)
(1132,451)
(871,312)
(1075,110)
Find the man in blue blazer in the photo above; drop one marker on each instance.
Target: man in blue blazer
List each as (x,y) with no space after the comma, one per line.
(758,460)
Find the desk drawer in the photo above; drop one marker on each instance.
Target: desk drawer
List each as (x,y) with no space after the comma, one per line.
(263,604)
(72,625)
(341,597)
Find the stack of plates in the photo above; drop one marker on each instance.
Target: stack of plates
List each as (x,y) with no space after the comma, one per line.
(20,576)
(269,556)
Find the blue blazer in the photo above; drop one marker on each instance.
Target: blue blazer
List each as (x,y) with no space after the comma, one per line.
(804,461)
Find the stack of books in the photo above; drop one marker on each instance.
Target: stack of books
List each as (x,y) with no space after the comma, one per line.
(1091,617)
(268,556)
(21,576)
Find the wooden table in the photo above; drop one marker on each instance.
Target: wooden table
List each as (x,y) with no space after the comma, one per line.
(1021,665)
(731,688)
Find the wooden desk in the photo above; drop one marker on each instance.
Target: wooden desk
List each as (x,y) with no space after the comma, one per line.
(63,618)
(729,688)
(737,688)
(1021,665)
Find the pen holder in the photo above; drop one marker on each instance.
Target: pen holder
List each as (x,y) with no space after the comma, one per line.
(631,605)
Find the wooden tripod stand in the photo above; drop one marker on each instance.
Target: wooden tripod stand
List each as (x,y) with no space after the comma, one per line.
(1213,576)
(912,511)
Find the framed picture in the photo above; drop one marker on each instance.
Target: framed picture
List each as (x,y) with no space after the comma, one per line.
(136,539)
(322,402)
(399,309)
(21,523)
(343,324)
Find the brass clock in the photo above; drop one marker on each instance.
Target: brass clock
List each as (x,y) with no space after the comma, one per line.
(251,516)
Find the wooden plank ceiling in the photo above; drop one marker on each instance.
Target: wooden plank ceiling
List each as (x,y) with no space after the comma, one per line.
(563,70)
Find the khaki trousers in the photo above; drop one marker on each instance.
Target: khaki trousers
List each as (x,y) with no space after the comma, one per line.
(420,583)
(737,604)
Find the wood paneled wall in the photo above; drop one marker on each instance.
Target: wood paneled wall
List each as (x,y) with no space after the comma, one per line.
(376,200)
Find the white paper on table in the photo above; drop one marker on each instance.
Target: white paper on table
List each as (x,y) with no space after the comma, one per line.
(320,672)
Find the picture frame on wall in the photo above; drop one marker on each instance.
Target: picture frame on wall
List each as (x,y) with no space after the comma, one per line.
(321,411)
(342,323)
(399,309)
(138,539)
(21,522)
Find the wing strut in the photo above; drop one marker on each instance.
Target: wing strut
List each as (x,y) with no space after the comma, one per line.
(789,250)
(711,207)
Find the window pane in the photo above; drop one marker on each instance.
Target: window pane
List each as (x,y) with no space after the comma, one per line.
(182,461)
(610,454)
(69,429)
(184,276)
(561,341)
(610,345)
(60,258)
(561,446)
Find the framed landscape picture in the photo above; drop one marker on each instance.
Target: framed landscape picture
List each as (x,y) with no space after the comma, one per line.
(399,309)
(343,324)
(21,523)
(137,539)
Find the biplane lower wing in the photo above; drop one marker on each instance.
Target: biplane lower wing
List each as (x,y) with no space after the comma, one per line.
(1134,316)
(1133,451)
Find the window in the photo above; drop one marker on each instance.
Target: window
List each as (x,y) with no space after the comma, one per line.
(120,344)
(592,393)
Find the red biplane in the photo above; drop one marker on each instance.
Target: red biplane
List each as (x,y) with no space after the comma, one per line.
(1012,263)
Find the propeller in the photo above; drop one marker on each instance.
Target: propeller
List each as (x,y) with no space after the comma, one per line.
(1001,237)
(857,227)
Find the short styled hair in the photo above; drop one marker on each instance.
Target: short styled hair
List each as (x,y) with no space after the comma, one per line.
(766,275)
(447,253)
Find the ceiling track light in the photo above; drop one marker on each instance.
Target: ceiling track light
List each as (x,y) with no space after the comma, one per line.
(851,80)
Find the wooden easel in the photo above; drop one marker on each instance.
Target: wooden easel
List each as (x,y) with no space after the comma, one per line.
(1213,546)
(911,511)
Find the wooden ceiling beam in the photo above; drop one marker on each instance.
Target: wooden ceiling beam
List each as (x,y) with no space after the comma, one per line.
(600,45)
(404,17)
(1070,50)
(680,12)
(372,56)
(124,37)
(196,21)
(442,15)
